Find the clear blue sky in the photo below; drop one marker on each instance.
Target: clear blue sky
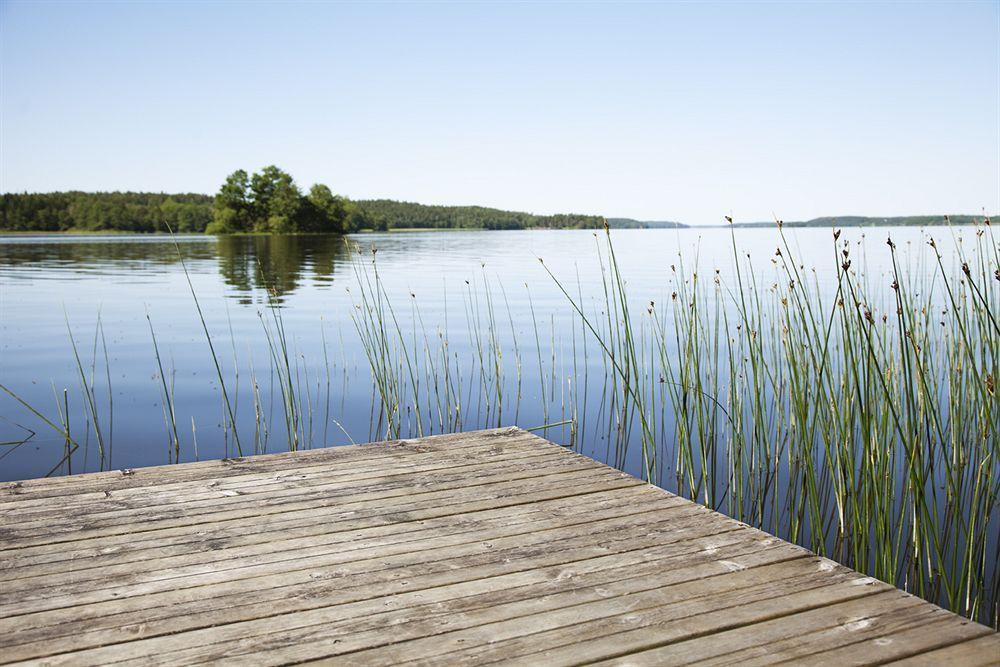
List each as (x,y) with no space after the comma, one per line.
(658,111)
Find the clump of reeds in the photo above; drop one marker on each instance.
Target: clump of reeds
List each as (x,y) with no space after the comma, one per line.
(864,425)
(860,421)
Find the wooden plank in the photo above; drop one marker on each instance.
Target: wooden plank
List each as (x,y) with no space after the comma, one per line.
(591,632)
(215,560)
(684,559)
(347,515)
(637,527)
(292,638)
(287,597)
(186,490)
(482,547)
(220,488)
(340,460)
(77,527)
(158,475)
(851,646)
(983,651)
(369,488)
(943,632)
(277,532)
(692,537)
(808,636)
(792,636)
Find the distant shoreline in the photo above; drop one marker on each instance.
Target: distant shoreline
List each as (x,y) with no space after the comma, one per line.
(88,234)
(83,214)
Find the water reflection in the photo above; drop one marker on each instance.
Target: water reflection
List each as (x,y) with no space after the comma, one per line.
(107,255)
(248,264)
(277,263)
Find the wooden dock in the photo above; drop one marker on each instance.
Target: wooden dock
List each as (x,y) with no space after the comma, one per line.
(494,546)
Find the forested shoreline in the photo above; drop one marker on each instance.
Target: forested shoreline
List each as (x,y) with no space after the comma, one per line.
(136,212)
(270,202)
(266,202)
(409,215)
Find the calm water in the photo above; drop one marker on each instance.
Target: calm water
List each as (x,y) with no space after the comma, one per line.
(54,288)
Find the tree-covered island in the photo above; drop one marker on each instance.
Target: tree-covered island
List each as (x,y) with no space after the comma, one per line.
(266,202)
(269,202)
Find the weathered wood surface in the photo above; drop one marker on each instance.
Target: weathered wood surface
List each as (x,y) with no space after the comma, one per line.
(494,546)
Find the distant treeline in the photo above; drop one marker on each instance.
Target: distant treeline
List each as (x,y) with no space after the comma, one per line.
(872,221)
(265,202)
(630,223)
(418,216)
(270,202)
(104,211)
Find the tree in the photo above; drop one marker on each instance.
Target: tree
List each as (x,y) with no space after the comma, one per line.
(232,210)
(356,217)
(325,212)
(274,195)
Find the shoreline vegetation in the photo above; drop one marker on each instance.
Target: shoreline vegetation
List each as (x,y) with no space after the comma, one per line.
(862,423)
(270,202)
(266,202)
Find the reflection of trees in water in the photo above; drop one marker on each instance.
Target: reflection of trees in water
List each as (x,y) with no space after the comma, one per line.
(277,263)
(247,263)
(108,255)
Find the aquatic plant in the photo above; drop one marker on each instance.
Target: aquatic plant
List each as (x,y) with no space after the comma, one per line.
(861,422)
(852,412)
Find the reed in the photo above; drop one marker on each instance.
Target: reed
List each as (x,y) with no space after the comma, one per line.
(169,411)
(859,420)
(88,389)
(211,347)
(62,428)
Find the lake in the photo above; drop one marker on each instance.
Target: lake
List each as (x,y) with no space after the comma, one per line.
(837,393)
(52,288)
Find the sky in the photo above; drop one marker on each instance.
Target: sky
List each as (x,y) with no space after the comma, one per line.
(656,111)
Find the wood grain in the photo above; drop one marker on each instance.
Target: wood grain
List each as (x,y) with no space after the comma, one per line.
(487,547)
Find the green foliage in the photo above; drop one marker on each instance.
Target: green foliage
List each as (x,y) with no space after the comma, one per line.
(104,211)
(630,223)
(224,221)
(323,212)
(275,201)
(376,213)
(232,211)
(359,217)
(269,202)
